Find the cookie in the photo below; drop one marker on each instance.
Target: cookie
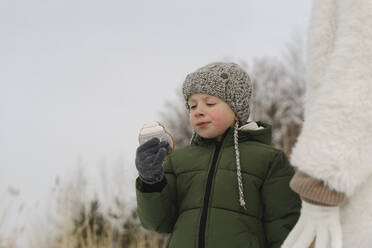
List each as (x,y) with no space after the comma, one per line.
(155,129)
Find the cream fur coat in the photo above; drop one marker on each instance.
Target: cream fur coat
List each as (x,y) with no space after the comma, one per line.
(336,140)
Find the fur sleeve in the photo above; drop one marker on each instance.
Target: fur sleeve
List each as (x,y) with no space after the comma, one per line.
(335,144)
(320,44)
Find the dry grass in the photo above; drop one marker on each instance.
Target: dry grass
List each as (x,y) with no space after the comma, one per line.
(95,233)
(74,221)
(9,204)
(83,224)
(93,230)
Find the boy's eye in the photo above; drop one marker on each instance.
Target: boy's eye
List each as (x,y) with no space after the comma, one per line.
(211,104)
(192,106)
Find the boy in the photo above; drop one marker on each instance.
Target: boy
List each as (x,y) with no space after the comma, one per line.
(229,187)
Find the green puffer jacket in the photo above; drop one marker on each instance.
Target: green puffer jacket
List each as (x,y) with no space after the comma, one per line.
(199,201)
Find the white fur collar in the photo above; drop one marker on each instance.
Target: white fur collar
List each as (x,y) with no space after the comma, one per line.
(250,126)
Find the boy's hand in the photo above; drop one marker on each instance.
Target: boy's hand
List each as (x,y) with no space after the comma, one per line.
(149,159)
(316,222)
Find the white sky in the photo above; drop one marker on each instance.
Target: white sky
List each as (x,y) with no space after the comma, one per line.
(79,78)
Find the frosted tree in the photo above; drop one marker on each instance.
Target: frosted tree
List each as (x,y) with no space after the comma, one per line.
(279,87)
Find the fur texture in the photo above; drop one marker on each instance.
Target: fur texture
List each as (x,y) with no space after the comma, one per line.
(336,143)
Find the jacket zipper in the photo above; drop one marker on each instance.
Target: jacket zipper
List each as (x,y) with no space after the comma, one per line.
(203,219)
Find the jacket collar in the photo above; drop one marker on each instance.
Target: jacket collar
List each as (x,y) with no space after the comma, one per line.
(249,132)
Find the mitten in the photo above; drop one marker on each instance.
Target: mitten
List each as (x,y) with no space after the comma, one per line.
(149,160)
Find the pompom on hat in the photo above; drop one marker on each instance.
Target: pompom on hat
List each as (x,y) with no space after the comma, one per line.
(227,81)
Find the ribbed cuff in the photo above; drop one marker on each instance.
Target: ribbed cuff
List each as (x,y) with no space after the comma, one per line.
(156,187)
(314,191)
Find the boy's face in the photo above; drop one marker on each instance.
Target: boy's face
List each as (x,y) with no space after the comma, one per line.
(209,115)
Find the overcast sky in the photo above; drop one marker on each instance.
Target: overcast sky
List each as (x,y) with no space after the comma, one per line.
(79,78)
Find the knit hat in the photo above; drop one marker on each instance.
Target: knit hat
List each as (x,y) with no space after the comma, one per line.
(229,82)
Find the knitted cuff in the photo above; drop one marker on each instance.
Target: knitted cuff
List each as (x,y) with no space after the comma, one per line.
(314,191)
(156,187)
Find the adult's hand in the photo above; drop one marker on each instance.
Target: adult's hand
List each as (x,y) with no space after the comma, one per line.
(321,223)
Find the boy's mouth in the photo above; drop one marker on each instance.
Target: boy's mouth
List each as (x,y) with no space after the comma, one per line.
(202,124)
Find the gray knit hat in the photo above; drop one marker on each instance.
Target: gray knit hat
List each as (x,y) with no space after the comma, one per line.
(232,84)
(227,81)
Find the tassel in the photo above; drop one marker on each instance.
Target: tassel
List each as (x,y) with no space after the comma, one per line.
(238,170)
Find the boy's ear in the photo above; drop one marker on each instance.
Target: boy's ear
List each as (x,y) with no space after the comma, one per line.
(236,118)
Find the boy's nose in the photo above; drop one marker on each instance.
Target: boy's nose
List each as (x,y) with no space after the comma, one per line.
(198,112)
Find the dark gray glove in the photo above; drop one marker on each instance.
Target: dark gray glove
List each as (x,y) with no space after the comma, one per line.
(149,159)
